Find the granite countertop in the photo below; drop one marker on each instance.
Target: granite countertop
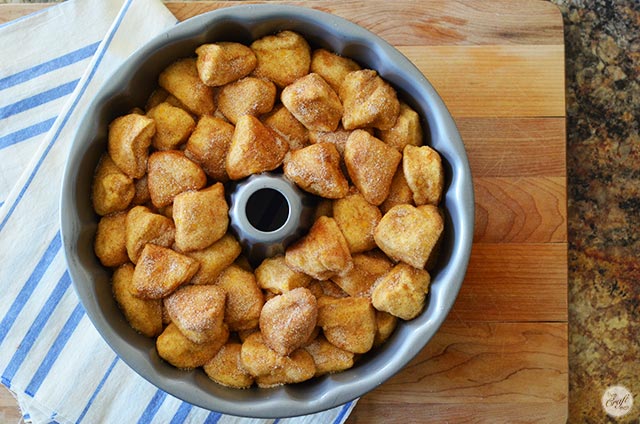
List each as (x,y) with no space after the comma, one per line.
(602,45)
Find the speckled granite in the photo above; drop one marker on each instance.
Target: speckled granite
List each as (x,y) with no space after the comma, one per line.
(602,40)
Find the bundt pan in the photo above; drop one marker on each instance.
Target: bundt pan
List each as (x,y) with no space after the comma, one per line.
(132,84)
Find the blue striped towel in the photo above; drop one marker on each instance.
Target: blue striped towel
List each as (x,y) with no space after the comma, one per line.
(51,356)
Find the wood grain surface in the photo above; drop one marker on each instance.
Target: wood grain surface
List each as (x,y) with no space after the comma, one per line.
(501,356)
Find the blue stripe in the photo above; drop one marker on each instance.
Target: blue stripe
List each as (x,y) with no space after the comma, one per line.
(26,133)
(97,390)
(276,421)
(29,286)
(181,413)
(36,328)
(60,342)
(67,116)
(342,413)
(51,65)
(213,417)
(38,99)
(152,408)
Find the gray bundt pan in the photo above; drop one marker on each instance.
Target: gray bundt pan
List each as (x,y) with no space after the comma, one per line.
(132,84)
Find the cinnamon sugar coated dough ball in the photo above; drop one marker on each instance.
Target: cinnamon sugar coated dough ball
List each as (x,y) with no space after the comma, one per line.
(298,367)
(171,173)
(173,126)
(367,268)
(275,275)
(248,96)
(214,259)
(328,358)
(143,226)
(112,189)
(144,315)
(402,291)
(282,58)
(225,367)
(399,193)
(197,311)
(408,234)
(159,95)
(160,271)
(288,320)
(316,169)
(386,324)
(179,351)
(208,146)
(331,289)
(271,369)
(321,288)
(313,102)
(371,165)
(224,62)
(254,148)
(322,253)
(336,131)
(181,79)
(128,143)
(283,123)
(201,217)
(357,219)
(434,214)
(244,298)
(368,101)
(338,137)
(406,131)
(348,323)
(141,196)
(423,171)
(256,357)
(331,67)
(110,243)
(173,101)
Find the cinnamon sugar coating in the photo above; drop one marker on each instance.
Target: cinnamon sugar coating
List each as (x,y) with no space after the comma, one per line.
(224,62)
(160,271)
(368,101)
(201,217)
(338,132)
(316,169)
(208,146)
(371,164)
(112,189)
(110,243)
(288,320)
(171,173)
(197,311)
(322,253)
(313,102)
(254,148)
(181,79)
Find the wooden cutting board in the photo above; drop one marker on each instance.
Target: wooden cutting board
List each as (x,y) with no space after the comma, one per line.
(501,356)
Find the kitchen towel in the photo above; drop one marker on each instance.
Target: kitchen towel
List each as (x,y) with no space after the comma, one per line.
(39,73)
(51,356)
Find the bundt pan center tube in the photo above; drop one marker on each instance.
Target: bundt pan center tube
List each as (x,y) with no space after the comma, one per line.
(131,85)
(267,213)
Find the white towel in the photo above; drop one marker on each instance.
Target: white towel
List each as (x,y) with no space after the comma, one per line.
(51,356)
